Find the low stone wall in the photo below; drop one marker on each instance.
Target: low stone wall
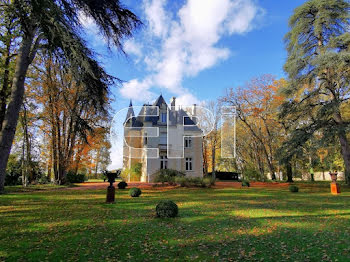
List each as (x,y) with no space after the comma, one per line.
(318,176)
(323,176)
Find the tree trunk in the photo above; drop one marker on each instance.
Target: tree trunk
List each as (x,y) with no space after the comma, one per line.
(7,133)
(205,160)
(344,144)
(53,138)
(24,176)
(288,166)
(345,151)
(97,161)
(312,177)
(27,167)
(260,163)
(5,86)
(213,162)
(272,169)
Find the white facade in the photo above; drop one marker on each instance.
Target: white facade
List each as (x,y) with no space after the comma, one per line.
(178,144)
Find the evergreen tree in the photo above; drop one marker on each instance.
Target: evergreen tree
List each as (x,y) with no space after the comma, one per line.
(54,25)
(318,67)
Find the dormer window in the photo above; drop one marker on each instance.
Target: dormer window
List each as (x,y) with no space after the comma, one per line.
(163,117)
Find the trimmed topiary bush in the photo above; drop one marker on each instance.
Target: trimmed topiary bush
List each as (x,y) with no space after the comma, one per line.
(293,188)
(167,208)
(246,183)
(122,185)
(135,192)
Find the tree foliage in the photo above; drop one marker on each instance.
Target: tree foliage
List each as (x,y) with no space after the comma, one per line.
(318,68)
(54,26)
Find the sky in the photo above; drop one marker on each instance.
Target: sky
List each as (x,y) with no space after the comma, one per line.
(193,49)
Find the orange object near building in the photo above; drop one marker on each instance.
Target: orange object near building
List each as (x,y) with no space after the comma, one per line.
(335,188)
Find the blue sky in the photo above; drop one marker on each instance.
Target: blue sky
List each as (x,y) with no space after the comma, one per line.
(195,49)
(253,47)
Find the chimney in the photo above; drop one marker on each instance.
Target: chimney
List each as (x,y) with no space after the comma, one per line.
(194,113)
(173,103)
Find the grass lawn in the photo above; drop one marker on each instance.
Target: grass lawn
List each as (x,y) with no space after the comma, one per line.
(229,224)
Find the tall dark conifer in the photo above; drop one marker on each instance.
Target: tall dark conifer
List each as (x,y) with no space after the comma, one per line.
(318,67)
(54,25)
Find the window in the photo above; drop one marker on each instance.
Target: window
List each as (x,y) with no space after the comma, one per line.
(146,139)
(188,164)
(163,117)
(187,121)
(163,162)
(188,142)
(163,138)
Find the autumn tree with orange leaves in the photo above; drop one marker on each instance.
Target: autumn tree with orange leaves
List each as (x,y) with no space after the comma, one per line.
(72,125)
(257,106)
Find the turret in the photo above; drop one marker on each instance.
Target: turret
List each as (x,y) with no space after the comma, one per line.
(130,114)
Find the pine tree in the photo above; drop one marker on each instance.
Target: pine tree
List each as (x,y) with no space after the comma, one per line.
(318,67)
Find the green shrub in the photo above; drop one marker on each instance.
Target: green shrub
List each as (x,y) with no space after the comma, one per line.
(194,181)
(182,181)
(75,178)
(122,185)
(251,173)
(167,208)
(167,176)
(293,188)
(43,179)
(135,192)
(245,183)
(13,171)
(209,181)
(134,173)
(12,179)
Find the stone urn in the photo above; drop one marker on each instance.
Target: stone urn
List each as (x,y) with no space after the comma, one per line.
(110,189)
(334,176)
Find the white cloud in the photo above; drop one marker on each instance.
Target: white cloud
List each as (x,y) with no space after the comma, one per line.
(184,44)
(187,99)
(88,24)
(131,47)
(243,13)
(136,90)
(157,17)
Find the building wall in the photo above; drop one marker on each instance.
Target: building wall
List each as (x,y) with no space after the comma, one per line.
(152,165)
(195,152)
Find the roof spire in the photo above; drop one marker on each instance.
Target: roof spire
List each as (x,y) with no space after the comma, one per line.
(130,114)
(160,100)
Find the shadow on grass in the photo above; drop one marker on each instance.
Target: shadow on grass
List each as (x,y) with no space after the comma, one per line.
(227,223)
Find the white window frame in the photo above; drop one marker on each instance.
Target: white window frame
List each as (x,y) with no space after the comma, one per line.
(163,162)
(188,142)
(189,164)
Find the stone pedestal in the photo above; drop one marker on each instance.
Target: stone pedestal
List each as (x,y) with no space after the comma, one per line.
(110,194)
(335,188)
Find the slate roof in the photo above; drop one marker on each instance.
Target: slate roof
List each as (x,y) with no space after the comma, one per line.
(149,113)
